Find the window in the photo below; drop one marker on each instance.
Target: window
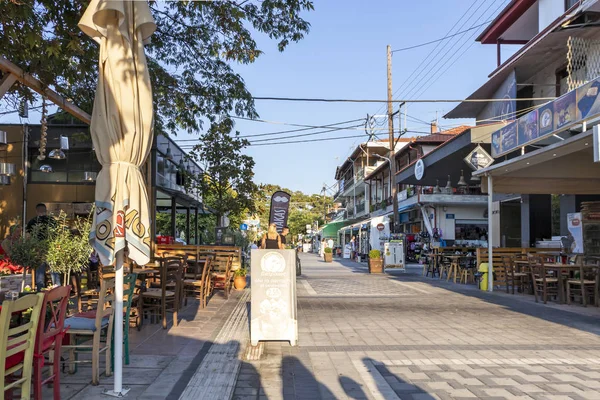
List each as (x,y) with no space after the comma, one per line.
(470,230)
(70,170)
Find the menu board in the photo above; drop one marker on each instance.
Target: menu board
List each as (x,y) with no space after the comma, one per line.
(558,115)
(273,314)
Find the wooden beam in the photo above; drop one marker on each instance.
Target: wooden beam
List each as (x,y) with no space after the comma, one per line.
(545,185)
(6,83)
(35,84)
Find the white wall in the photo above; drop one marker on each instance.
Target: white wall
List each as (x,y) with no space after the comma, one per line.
(549,11)
(460,212)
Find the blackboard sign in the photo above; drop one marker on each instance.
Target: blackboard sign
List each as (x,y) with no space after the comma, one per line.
(273,290)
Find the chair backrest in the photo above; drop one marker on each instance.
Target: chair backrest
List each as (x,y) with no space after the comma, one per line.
(207,267)
(221,263)
(171,272)
(19,338)
(536,265)
(52,316)
(106,298)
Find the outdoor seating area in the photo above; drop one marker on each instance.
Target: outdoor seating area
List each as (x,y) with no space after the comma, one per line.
(546,274)
(62,327)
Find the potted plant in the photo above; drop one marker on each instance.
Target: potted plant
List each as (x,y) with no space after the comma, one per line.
(239,280)
(328,254)
(375,262)
(27,251)
(69,248)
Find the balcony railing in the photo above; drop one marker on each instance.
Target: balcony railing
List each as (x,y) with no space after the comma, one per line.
(360,208)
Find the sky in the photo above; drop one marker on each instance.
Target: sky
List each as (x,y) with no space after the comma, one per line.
(344,56)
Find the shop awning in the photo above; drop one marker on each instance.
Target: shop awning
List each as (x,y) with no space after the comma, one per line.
(331,229)
(565,167)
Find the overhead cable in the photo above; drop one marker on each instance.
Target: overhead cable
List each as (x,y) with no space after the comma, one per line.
(441,39)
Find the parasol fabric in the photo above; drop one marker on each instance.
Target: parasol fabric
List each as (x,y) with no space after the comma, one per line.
(121,127)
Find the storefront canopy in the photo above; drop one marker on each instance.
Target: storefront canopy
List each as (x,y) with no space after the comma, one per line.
(331,229)
(565,167)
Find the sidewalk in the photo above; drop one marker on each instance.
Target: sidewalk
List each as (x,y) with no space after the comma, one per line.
(401,336)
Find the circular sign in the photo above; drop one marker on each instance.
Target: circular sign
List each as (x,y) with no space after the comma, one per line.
(380,227)
(243,227)
(419,169)
(575,221)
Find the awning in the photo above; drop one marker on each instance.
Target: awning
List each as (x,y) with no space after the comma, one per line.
(565,167)
(331,229)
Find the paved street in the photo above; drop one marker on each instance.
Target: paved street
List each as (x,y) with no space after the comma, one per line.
(401,336)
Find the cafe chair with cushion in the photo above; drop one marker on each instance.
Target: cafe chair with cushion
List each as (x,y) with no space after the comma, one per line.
(82,329)
(17,343)
(544,285)
(49,339)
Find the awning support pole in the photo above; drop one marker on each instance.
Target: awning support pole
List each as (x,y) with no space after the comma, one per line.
(489,235)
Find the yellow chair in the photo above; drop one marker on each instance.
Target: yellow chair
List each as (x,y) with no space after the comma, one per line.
(17,342)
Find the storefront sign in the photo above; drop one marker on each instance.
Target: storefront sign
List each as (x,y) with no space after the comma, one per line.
(478,159)
(403,195)
(449,216)
(575,227)
(273,293)
(419,169)
(380,227)
(280,205)
(558,115)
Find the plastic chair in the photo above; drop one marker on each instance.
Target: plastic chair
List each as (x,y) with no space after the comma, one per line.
(49,338)
(17,343)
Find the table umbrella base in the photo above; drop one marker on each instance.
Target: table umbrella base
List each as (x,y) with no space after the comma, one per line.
(112,393)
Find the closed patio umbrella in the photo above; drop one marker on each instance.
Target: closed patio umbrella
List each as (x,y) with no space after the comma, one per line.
(122,132)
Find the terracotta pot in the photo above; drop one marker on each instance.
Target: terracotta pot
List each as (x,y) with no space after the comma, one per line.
(239,282)
(328,257)
(375,266)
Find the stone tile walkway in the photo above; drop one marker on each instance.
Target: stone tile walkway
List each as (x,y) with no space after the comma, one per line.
(401,336)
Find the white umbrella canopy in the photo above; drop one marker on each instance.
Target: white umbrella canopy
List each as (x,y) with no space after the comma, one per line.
(122,133)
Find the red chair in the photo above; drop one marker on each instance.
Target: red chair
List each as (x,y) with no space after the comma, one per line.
(50,333)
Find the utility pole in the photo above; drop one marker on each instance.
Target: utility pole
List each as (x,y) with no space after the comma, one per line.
(324,205)
(390,110)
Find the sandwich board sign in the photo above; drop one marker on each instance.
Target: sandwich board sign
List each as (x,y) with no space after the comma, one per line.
(273,314)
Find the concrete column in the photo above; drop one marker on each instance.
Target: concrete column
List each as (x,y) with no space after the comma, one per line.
(196,240)
(173,217)
(525,229)
(187,225)
(567,206)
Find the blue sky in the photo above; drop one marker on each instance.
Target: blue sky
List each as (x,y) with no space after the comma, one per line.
(344,56)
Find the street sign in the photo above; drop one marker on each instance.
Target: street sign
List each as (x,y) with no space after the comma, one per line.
(478,159)
(419,169)
(243,227)
(380,227)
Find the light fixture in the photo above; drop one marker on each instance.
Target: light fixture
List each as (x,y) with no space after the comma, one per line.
(437,189)
(90,176)
(461,181)
(3,140)
(7,169)
(47,169)
(169,155)
(448,185)
(4,180)
(57,154)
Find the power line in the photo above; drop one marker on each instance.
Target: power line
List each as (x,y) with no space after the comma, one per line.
(301,135)
(309,140)
(439,40)
(290,124)
(335,100)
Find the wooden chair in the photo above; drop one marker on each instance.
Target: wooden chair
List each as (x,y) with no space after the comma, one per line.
(17,343)
(49,338)
(547,285)
(84,328)
(584,287)
(199,286)
(157,301)
(222,275)
(444,267)
(511,277)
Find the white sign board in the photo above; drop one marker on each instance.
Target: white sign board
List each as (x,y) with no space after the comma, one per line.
(575,227)
(394,255)
(419,169)
(273,314)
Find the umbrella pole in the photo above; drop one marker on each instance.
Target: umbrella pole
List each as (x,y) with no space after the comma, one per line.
(118,391)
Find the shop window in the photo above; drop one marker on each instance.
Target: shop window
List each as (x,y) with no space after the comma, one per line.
(470,230)
(70,170)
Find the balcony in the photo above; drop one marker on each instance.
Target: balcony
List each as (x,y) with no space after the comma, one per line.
(360,208)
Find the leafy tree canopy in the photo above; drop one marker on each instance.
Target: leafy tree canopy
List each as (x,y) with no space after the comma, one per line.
(189,56)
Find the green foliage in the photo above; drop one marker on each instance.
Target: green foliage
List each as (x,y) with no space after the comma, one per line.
(328,250)
(241,272)
(227,184)
(374,254)
(68,246)
(190,56)
(29,250)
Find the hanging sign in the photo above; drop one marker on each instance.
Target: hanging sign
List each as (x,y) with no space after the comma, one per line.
(380,227)
(280,206)
(478,159)
(419,169)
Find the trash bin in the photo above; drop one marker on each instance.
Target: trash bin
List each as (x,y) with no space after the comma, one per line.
(483,276)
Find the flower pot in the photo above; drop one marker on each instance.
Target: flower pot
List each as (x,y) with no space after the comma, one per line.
(239,282)
(375,266)
(328,257)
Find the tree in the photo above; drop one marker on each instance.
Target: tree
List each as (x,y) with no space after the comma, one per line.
(227,183)
(189,55)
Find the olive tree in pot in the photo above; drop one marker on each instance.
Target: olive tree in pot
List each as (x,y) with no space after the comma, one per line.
(28,251)
(375,262)
(328,254)
(240,278)
(69,248)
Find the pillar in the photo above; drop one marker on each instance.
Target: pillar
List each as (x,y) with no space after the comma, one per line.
(173,217)
(187,225)
(196,239)
(568,205)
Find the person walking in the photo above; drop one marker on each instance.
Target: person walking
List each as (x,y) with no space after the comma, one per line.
(284,233)
(43,223)
(322,247)
(272,240)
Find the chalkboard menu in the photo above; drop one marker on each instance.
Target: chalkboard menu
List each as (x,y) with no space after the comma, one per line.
(273,314)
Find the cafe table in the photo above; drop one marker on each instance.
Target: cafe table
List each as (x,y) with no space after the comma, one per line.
(455,264)
(559,268)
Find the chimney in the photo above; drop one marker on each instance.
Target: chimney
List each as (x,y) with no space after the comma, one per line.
(434,127)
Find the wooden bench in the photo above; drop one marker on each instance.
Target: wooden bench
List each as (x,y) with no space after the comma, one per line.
(234,251)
